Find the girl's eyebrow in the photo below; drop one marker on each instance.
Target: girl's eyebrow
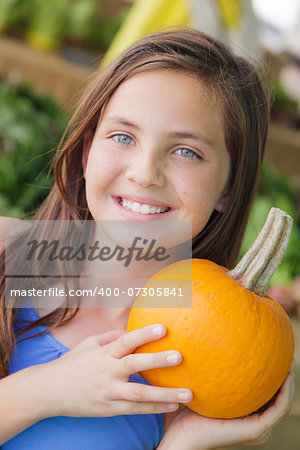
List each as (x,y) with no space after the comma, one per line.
(179,134)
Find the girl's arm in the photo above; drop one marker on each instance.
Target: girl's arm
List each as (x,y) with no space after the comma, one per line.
(21,393)
(22,402)
(91,380)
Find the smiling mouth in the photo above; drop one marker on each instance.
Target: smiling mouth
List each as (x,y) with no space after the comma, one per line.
(142,208)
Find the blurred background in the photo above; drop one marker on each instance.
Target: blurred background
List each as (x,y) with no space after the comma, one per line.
(50,49)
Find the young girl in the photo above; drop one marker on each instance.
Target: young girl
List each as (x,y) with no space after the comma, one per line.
(174,129)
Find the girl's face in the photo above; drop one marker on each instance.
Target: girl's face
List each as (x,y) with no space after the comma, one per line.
(158,152)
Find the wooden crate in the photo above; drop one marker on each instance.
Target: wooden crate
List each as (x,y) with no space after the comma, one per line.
(47,72)
(50,72)
(283,151)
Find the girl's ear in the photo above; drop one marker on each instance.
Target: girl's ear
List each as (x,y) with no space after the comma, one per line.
(87,142)
(222,201)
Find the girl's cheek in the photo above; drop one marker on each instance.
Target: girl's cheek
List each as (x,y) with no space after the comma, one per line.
(104,158)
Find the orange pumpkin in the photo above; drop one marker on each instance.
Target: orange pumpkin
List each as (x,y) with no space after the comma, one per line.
(237,344)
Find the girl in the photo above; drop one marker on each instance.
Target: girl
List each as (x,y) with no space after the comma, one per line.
(173,129)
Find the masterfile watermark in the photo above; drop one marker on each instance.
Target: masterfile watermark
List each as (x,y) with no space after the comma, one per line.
(94,263)
(99,294)
(54,251)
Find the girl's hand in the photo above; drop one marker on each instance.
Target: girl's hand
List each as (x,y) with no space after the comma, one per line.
(91,380)
(194,432)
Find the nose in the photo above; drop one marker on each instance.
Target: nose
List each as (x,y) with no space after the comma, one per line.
(146,170)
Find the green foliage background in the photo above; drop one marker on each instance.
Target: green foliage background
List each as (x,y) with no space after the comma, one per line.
(31,126)
(275,190)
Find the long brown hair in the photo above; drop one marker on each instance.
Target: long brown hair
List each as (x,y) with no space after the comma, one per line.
(237,88)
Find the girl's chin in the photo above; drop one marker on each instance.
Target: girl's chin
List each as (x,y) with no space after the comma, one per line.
(174,233)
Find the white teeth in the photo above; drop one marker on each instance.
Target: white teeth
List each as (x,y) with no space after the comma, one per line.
(136,207)
(145,209)
(141,208)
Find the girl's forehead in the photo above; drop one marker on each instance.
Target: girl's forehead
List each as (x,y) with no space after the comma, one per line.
(156,90)
(161,80)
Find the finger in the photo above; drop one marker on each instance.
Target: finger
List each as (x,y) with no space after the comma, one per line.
(99,340)
(286,394)
(138,392)
(144,361)
(252,428)
(293,366)
(255,442)
(125,407)
(262,440)
(265,437)
(109,336)
(275,413)
(129,342)
(246,431)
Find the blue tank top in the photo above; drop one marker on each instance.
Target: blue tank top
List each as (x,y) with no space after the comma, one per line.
(128,432)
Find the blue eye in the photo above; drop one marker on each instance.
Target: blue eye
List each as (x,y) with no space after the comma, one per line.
(123,139)
(186,152)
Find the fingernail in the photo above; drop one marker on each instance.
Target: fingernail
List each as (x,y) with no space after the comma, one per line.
(173,358)
(172,405)
(158,329)
(184,396)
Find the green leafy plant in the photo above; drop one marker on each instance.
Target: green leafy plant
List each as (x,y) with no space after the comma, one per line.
(81,19)
(275,189)
(31,125)
(10,12)
(47,23)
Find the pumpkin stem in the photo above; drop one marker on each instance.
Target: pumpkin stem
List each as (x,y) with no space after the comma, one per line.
(258,265)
